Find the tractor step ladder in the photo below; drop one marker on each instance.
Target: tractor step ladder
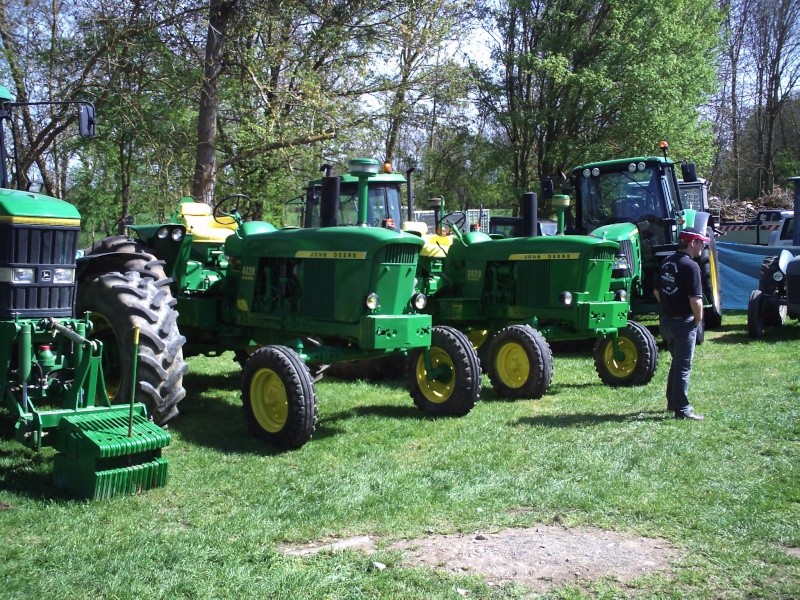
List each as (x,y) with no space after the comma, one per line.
(107,454)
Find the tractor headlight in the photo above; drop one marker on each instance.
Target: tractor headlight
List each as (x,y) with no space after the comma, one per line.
(419,301)
(16,275)
(565,298)
(596,172)
(21,275)
(620,263)
(620,295)
(176,234)
(62,275)
(372,301)
(777,276)
(162,233)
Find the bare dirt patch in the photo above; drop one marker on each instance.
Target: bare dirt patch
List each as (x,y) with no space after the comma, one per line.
(537,557)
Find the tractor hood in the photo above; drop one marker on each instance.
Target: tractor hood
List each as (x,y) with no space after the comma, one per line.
(558,247)
(345,243)
(22,208)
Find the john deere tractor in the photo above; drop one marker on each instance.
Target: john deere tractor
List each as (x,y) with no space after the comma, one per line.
(512,294)
(51,373)
(282,299)
(636,202)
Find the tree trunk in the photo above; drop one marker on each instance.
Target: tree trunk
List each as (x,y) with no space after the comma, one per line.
(220,14)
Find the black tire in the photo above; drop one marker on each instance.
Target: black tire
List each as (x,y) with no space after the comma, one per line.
(709,276)
(774,311)
(519,363)
(755,315)
(279,399)
(145,264)
(456,388)
(118,302)
(640,361)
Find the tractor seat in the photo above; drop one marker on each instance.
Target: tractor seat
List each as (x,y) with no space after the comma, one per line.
(436,246)
(201,224)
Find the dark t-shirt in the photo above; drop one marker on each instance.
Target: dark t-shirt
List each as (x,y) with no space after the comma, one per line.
(679,280)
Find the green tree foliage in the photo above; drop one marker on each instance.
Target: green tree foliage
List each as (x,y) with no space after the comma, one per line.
(584,80)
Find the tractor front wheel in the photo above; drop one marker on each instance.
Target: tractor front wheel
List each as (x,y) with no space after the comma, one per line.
(453,386)
(519,363)
(280,402)
(118,302)
(637,363)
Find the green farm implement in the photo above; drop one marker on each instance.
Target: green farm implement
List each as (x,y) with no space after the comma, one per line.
(50,372)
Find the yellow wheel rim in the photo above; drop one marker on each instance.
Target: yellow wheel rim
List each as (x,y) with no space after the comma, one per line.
(478,337)
(112,361)
(268,400)
(436,390)
(512,364)
(621,368)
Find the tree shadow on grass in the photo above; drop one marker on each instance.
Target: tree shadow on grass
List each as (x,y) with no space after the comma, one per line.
(771,335)
(591,419)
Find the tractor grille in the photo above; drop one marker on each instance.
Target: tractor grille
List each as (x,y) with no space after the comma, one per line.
(318,278)
(626,247)
(400,254)
(533,283)
(37,250)
(603,254)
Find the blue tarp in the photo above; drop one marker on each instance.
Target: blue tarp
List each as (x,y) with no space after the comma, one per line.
(739,265)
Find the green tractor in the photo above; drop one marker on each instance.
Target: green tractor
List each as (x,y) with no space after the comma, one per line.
(510,296)
(636,202)
(51,372)
(284,299)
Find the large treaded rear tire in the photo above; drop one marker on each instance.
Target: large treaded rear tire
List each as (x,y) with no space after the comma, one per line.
(119,301)
(146,264)
(709,276)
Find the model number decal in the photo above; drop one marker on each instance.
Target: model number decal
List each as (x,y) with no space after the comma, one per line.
(248,273)
(340,254)
(546,256)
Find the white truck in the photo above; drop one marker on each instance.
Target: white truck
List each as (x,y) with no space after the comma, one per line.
(770,228)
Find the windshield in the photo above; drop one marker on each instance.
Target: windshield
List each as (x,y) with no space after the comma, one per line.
(626,196)
(383,203)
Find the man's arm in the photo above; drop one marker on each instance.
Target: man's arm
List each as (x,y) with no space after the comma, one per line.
(696,302)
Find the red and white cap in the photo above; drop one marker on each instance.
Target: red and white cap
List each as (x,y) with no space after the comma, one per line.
(690,233)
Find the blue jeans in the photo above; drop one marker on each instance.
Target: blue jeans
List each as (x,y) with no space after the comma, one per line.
(680,336)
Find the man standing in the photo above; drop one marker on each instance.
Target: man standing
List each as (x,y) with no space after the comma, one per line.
(680,296)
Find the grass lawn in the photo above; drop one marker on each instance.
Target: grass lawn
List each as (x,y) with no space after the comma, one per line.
(724,493)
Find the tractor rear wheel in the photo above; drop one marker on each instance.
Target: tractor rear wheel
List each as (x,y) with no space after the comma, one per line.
(709,276)
(280,402)
(638,363)
(755,314)
(455,384)
(145,264)
(519,363)
(119,301)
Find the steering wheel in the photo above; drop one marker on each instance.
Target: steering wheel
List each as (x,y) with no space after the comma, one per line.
(236,207)
(454,220)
